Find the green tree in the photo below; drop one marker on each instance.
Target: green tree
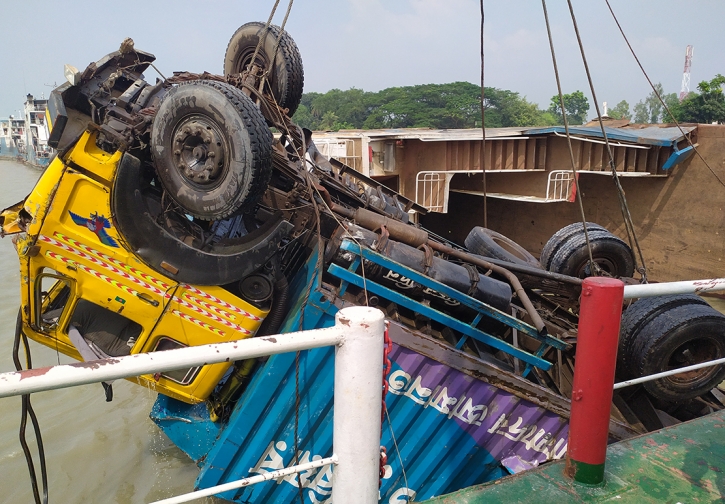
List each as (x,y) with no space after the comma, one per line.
(706,107)
(442,106)
(506,108)
(304,118)
(673,103)
(620,111)
(576,105)
(650,109)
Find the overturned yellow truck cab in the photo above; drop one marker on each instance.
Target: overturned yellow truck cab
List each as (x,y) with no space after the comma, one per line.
(71,249)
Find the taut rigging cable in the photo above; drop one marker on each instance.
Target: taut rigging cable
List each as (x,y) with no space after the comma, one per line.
(595,268)
(660,98)
(27,410)
(628,223)
(483,130)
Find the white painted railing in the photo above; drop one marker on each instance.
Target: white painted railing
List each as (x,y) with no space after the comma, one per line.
(685,287)
(432,188)
(341,149)
(665,374)
(268,476)
(558,185)
(358,337)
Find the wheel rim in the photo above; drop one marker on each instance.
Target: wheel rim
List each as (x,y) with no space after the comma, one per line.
(200,151)
(689,353)
(244,60)
(606,264)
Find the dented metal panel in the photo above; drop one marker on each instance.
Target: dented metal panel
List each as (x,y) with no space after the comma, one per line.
(451,430)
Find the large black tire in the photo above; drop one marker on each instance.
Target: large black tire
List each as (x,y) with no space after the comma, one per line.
(136,206)
(560,237)
(637,317)
(286,75)
(679,337)
(612,255)
(212,149)
(489,243)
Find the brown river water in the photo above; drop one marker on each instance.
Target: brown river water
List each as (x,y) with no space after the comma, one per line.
(96,452)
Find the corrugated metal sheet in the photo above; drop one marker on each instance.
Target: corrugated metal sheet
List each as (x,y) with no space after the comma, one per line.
(451,430)
(446,427)
(652,135)
(422,134)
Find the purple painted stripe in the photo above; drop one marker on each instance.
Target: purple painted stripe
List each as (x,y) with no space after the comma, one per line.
(498,421)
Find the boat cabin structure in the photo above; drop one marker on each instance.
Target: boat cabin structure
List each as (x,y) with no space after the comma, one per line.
(530,185)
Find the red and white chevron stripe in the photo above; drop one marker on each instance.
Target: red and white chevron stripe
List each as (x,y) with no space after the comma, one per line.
(97,261)
(91,271)
(226,305)
(149,278)
(198,322)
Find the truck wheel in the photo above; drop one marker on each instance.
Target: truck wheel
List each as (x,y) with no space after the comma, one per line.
(679,337)
(138,213)
(212,149)
(489,243)
(610,253)
(560,237)
(286,76)
(638,316)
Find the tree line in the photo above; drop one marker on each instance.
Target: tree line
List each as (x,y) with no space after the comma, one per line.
(705,106)
(458,105)
(440,106)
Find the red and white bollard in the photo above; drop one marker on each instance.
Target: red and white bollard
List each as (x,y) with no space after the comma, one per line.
(596,357)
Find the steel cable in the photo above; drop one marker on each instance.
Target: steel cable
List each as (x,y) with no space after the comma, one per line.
(689,141)
(628,223)
(595,268)
(483,129)
(263,37)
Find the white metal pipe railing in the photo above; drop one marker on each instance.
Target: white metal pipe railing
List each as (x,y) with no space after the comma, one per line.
(81,373)
(358,405)
(671,372)
(562,180)
(685,287)
(358,338)
(268,476)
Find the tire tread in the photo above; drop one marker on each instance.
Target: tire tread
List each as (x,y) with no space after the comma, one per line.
(653,336)
(292,95)
(560,237)
(260,138)
(574,251)
(639,315)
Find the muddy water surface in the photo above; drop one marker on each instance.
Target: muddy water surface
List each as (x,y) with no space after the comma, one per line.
(96,452)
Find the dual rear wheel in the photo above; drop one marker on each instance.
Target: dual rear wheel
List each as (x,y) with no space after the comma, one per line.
(210,143)
(670,332)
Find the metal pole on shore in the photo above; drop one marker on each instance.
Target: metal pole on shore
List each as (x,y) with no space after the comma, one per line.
(596,358)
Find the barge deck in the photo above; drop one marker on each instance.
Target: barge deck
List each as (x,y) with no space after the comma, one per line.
(682,463)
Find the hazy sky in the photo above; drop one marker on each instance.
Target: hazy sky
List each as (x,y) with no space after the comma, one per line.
(374,44)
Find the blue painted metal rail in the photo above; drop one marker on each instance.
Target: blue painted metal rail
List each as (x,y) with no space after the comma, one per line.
(468,330)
